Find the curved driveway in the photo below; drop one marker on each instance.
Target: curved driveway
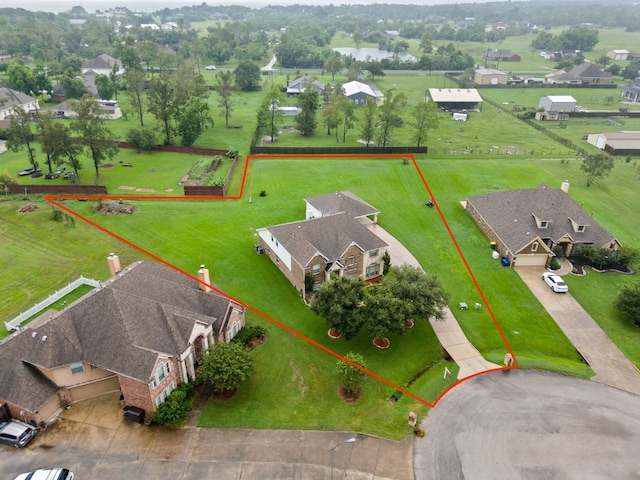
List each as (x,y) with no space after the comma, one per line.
(530,425)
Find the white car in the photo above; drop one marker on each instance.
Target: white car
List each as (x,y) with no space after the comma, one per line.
(47,474)
(555,282)
(210,67)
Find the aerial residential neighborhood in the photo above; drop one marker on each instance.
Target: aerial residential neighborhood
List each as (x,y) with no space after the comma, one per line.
(343,241)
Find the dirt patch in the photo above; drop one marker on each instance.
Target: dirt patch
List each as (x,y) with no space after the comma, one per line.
(126,187)
(168,190)
(28,208)
(146,190)
(115,208)
(105,166)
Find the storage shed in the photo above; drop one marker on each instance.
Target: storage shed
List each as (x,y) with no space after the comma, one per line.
(557,103)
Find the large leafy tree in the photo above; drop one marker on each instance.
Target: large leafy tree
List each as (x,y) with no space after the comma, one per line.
(339,302)
(226,366)
(389,116)
(247,76)
(56,142)
(308,101)
(334,65)
(273,115)
(347,111)
(73,86)
(425,118)
(384,312)
(628,302)
(135,79)
(422,295)
(20,134)
(91,127)
(224,87)
(104,87)
(20,78)
(368,121)
(193,120)
(596,166)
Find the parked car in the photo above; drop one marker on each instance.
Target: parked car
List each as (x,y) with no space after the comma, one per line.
(51,176)
(47,474)
(16,433)
(210,67)
(28,171)
(555,282)
(68,175)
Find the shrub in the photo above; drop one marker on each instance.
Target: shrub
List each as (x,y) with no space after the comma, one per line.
(176,407)
(245,335)
(628,303)
(554,265)
(232,152)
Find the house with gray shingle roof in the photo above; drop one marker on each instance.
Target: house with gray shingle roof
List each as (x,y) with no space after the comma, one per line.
(527,224)
(141,333)
(332,241)
(10,99)
(103,64)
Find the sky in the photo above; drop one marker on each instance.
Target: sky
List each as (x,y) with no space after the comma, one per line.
(153,5)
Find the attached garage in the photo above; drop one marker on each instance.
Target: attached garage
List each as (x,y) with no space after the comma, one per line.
(93,389)
(524,260)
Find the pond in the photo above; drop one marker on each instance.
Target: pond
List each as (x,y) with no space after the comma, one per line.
(372,53)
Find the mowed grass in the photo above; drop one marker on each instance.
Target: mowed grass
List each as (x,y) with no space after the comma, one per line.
(222,234)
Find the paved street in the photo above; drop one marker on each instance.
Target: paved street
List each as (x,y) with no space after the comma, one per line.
(97,443)
(531,425)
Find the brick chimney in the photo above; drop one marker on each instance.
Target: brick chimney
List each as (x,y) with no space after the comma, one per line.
(114,264)
(203,276)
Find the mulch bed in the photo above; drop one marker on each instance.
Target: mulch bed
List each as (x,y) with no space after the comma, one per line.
(347,397)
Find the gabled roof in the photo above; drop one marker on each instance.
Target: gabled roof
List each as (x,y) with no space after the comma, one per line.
(343,201)
(512,216)
(454,95)
(10,98)
(578,73)
(490,71)
(145,311)
(329,236)
(354,87)
(101,62)
(300,84)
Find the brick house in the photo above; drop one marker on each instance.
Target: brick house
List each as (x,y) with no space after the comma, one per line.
(333,241)
(528,223)
(141,333)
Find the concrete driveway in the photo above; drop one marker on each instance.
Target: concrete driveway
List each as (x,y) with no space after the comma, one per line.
(530,425)
(605,358)
(96,442)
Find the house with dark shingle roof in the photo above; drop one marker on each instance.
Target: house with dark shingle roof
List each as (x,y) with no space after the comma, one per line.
(332,241)
(300,84)
(527,224)
(141,333)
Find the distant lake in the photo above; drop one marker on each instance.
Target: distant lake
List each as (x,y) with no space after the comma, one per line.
(361,54)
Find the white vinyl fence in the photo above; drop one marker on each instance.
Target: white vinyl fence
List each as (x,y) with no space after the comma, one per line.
(14,324)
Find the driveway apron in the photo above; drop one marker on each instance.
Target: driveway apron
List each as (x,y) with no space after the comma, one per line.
(603,356)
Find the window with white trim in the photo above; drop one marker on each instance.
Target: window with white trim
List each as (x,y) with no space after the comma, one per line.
(315,269)
(164,394)
(160,373)
(534,246)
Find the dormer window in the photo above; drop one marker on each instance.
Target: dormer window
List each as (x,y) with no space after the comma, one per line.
(541,223)
(577,227)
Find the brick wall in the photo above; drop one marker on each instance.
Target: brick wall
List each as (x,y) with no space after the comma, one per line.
(136,394)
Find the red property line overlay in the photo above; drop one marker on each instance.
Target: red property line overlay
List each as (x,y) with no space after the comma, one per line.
(53,200)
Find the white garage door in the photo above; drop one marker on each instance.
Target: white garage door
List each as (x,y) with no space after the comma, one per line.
(531,260)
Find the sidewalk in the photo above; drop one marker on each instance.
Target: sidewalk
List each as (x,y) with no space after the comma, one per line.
(448,331)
